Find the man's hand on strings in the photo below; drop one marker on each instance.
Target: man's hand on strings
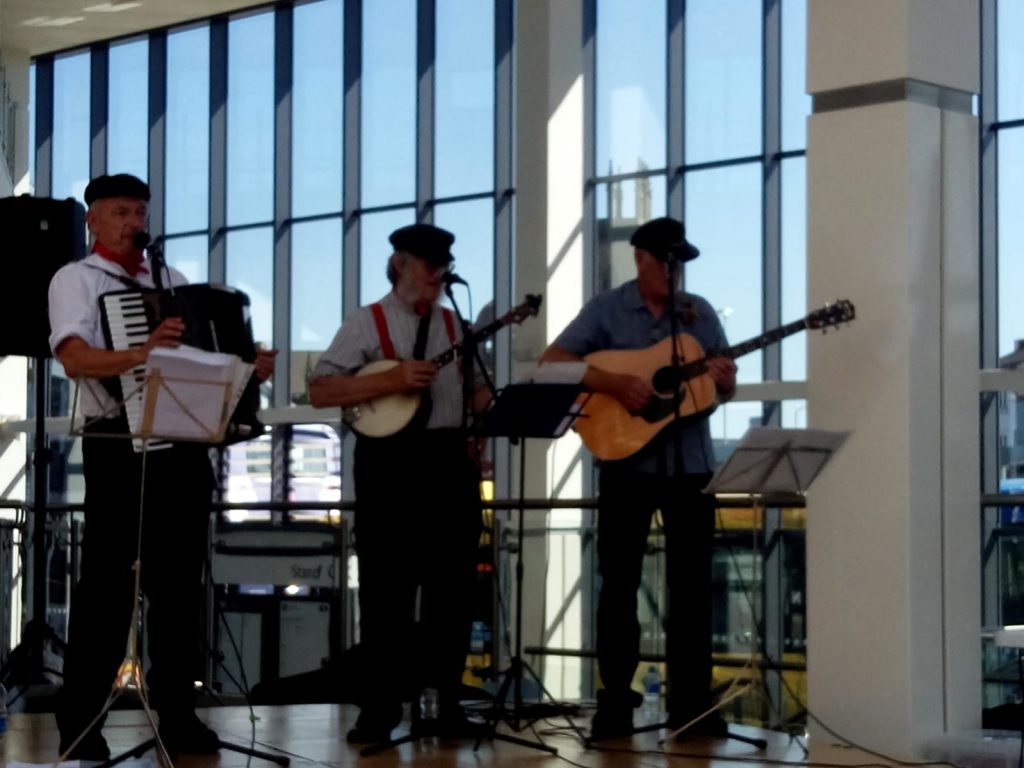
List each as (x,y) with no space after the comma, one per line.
(722,371)
(631,391)
(412,374)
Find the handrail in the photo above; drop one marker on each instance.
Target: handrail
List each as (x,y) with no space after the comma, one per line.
(725,502)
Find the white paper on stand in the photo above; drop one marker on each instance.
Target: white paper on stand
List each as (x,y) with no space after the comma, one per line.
(569,372)
(190,391)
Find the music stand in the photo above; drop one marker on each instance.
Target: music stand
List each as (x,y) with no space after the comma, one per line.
(520,411)
(167,400)
(769,463)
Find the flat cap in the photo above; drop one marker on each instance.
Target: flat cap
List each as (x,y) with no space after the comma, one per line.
(118,185)
(662,238)
(424,241)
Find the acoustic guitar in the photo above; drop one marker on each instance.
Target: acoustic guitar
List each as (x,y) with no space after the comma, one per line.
(388,415)
(611,432)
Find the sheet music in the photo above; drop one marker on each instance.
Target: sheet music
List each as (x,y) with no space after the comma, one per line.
(568,372)
(189,399)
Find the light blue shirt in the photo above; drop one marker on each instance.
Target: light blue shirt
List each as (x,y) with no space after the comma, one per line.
(619,319)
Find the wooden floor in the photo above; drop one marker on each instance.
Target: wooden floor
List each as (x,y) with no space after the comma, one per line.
(313,735)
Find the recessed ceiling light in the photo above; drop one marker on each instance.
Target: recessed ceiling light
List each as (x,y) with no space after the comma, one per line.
(113,6)
(52,21)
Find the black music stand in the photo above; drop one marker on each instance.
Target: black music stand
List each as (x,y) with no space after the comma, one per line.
(769,461)
(521,411)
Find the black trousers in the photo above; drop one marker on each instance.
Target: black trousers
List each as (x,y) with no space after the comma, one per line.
(627,502)
(417,528)
(175,524)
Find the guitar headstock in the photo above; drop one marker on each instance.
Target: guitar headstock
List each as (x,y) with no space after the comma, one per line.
(528,308)
(841,311)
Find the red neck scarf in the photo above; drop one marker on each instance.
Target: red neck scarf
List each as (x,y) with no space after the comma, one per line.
(131,262)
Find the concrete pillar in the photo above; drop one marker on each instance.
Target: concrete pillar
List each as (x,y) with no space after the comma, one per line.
(549,260)
(893,545)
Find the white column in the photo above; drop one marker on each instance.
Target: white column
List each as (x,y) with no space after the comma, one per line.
(16,65)
(893,569)
(549,261)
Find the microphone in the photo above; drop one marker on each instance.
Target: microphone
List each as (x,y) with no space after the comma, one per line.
(450,278)
(142,241)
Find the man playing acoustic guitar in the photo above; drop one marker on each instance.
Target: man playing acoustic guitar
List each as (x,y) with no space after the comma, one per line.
(417,519)
(667,474)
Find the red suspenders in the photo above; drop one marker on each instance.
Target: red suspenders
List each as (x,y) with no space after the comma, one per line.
(382,331)
(385,337)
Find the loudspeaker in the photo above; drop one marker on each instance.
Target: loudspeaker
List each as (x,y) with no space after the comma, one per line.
(42,235)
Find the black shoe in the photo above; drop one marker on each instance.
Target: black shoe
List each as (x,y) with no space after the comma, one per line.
(365,734)
(611,723)
(374,724)
(92,747)
(187,735)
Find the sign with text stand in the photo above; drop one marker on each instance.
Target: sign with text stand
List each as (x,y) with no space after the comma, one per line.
(521,411)
(771,463)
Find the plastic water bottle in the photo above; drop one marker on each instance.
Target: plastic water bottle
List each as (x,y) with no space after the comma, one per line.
(652,693)
(428,705)
(428,714)
(3,710)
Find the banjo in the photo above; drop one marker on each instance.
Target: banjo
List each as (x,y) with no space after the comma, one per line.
(387,415)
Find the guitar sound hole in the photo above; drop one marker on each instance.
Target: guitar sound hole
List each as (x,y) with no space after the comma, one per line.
(665,380)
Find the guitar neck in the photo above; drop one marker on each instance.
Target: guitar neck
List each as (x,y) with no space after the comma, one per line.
(697,367)
(476,337)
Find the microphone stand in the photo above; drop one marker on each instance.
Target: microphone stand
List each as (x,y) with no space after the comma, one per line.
(674,265)
(470,353)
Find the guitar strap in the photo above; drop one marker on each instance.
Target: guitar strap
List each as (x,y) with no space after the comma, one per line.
(422,331)
(419,421)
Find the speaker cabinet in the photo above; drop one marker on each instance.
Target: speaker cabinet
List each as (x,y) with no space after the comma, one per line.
(42,235)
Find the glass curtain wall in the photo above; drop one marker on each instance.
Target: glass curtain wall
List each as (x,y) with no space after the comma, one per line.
(1002,246)
(282,146)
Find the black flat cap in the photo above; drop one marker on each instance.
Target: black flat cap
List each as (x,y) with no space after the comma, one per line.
(662,238)
(424,241)
(118,185)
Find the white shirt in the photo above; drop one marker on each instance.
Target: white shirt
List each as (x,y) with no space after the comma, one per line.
(75,311)
(358,343)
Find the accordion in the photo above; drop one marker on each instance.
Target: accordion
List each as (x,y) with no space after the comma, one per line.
(216,319)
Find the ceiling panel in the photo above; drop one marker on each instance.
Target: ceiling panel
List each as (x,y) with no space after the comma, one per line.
(44,26)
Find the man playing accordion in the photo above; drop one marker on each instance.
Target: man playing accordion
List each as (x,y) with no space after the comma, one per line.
(174,492)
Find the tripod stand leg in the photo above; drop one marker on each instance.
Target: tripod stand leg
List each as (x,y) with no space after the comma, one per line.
(373,749)
(554,703)
(278,759)
(149,744)
(491,733)
(751,740)
(137,751)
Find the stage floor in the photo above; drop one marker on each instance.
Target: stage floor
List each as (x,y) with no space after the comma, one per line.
(314,734)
